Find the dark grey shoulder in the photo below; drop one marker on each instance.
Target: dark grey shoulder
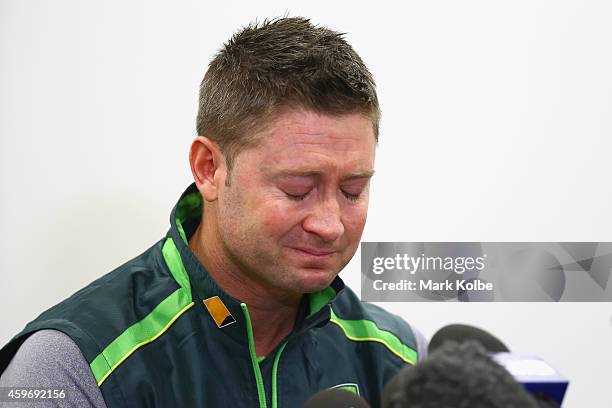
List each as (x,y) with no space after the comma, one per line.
(50,359)
(98,313)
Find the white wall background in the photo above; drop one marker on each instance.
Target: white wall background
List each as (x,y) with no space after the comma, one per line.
(496,126)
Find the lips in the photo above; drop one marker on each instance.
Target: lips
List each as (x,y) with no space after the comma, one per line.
(313,258)
(315,252)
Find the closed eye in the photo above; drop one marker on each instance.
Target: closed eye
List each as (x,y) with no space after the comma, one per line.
(351,197)
(294,197)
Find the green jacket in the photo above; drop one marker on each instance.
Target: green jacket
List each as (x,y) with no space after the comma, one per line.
(159,332)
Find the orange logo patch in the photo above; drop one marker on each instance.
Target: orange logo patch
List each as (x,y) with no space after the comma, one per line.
(219,312)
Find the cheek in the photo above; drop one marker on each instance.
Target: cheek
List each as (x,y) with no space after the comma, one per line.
(276,219)
(354,222)
(354,230)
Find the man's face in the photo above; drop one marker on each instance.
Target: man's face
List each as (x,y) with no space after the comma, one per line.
(296,206)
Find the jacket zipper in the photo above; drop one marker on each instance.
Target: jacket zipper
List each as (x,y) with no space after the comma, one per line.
(261,392)
(275,375)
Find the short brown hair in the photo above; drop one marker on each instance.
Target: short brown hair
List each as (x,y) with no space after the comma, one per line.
(280,63)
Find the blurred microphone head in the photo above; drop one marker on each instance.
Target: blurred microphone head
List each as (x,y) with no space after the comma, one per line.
(456,376)
(545,384)
(460,333)
(335,398)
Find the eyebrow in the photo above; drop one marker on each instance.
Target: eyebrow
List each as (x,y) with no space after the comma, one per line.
(315,173)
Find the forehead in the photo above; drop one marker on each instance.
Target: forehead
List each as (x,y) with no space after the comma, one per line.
(303,138)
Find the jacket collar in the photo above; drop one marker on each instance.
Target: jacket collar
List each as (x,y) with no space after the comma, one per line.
(184,220)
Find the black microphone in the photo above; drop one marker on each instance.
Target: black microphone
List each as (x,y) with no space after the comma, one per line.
(538,377)
(456,376)
(460,333)
(335,398)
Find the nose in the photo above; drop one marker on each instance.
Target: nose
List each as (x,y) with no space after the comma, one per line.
(325,220)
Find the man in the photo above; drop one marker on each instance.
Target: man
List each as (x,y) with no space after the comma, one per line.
(240,304)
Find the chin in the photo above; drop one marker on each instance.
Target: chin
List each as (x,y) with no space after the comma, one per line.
(314,280)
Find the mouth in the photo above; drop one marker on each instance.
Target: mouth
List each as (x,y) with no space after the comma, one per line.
(315,253)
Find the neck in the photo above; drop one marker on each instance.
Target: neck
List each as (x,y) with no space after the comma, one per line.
(272,312)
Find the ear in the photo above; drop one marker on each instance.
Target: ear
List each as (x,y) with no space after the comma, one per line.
(207,166)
